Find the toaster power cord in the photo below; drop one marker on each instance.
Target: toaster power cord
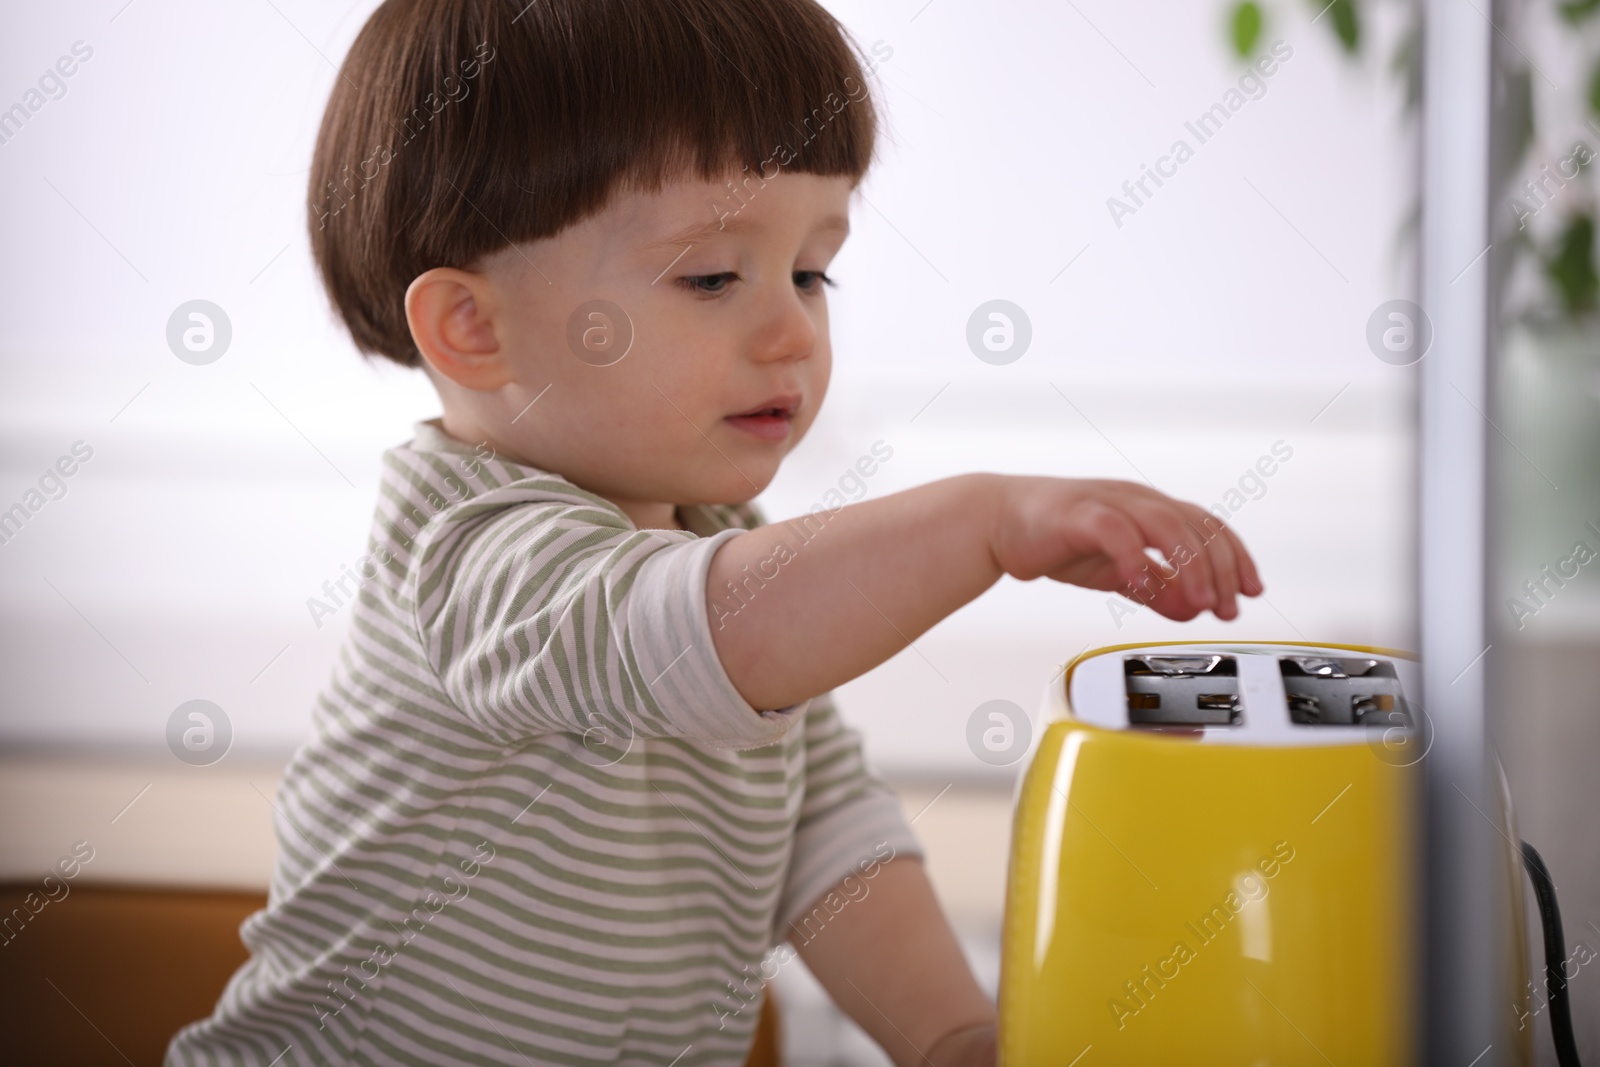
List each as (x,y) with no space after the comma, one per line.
(1555,955)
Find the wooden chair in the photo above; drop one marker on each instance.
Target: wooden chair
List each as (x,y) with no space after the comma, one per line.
(107,975)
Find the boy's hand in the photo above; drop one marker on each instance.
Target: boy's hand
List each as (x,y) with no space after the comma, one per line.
(1094,532)
(801,607)
(973,1046)
(892,962)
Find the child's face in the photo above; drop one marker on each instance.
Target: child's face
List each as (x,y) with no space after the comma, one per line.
(724,323)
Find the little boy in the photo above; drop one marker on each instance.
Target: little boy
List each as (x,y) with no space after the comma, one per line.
(561,803)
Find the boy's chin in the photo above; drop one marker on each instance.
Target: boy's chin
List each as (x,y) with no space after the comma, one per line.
(737,488)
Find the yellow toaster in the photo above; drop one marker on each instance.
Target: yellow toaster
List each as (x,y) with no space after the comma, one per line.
(1213,861)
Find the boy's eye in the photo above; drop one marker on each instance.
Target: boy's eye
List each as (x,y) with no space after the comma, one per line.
(713,284)
(709,284)
(806,279)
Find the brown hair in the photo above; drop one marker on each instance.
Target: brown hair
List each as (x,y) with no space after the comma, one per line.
(457,127)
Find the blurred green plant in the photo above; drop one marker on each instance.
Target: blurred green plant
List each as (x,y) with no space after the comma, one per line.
(1570,266)
(1579,10)
(1246,18)
(1567,259)
(1246,27)
(1346,26)
(1594,88)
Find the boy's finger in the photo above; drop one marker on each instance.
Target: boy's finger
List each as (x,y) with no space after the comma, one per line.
(1115,535)
(1226,566)
(1170,600)
(1250,582)
(1224,563)
(1167,532)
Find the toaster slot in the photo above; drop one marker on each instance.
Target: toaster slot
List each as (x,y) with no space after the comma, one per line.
(1343,691)
(1182,690)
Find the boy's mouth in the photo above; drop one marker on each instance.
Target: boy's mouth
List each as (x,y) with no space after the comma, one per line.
(769,421)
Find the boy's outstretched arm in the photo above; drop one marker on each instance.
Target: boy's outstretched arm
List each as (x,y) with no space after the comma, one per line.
(892,963)
(823,603)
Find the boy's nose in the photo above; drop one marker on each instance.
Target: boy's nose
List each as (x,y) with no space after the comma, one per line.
(788,331)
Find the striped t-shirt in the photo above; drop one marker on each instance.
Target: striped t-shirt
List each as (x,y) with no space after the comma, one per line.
(535,822)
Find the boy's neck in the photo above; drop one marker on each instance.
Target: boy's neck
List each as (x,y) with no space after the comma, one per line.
(650,516)
(646,515)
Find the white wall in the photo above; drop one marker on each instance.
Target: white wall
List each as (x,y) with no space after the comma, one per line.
(1221,317)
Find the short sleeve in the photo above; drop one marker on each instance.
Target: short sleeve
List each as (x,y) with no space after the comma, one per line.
(850,821)
(550,617)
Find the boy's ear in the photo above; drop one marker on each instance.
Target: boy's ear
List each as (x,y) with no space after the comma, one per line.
(452,318)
